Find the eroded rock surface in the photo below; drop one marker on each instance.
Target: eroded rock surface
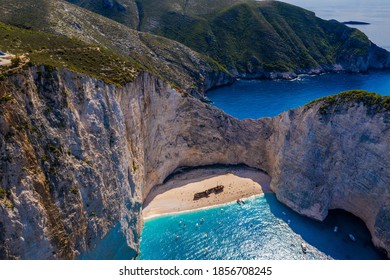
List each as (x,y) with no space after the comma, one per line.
(78,157)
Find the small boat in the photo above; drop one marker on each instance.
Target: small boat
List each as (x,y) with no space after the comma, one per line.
(336,229)
(202,220)
(352,237)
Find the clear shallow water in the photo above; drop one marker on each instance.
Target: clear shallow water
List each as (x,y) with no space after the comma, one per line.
(264,98)
(257,230)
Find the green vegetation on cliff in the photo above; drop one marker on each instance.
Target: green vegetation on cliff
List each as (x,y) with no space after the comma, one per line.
(58,51)
(249,37)
(267,35)
(171,60)
(4,193)
(123,11)
(199,44)
(369,99)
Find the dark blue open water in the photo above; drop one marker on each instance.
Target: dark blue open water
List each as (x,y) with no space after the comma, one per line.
(265,98)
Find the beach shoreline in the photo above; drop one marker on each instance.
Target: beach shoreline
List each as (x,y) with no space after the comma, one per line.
(149,217)
(177,194)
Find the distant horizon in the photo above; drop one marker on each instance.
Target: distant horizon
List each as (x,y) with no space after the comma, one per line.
(375,12)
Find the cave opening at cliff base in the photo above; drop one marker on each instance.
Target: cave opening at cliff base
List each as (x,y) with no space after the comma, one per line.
(348,235)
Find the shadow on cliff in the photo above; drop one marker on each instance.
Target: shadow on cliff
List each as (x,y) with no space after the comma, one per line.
(337,244)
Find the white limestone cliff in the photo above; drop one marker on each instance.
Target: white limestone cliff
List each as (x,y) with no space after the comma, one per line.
(78,157)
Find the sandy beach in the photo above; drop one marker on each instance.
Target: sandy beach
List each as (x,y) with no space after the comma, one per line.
(177,194)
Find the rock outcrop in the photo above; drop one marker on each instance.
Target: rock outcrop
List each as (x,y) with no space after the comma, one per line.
(58,132)
(78,157)
(334,157)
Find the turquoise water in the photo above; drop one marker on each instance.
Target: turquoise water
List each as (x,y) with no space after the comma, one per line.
(263,228)
(264,98)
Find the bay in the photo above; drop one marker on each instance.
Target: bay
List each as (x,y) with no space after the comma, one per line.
(265,98)
(262,228)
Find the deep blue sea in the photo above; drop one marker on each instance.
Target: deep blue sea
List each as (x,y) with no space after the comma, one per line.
(263,228)
(264,98)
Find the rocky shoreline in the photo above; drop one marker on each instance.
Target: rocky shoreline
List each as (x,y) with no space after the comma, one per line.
(377,58)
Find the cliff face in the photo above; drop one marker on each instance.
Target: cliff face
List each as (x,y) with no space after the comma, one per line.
(58,132)
(167,130)
(79,156)
(334,160)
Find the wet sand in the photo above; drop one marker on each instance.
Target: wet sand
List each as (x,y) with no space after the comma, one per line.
(177,194)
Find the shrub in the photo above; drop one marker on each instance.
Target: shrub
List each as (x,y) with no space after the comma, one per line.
(4,193)
(53,149)
(15,61)
(370,99)
(74,190)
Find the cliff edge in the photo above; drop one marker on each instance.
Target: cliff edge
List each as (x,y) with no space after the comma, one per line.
(78,156)
(333,154)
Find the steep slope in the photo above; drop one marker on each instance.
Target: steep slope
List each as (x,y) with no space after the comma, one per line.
(58,51)
(131,12)
(251,38)
(122,11)
(62,196)
(333,154)
(183,67)
(257,39)
(66,191)
(78,154)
